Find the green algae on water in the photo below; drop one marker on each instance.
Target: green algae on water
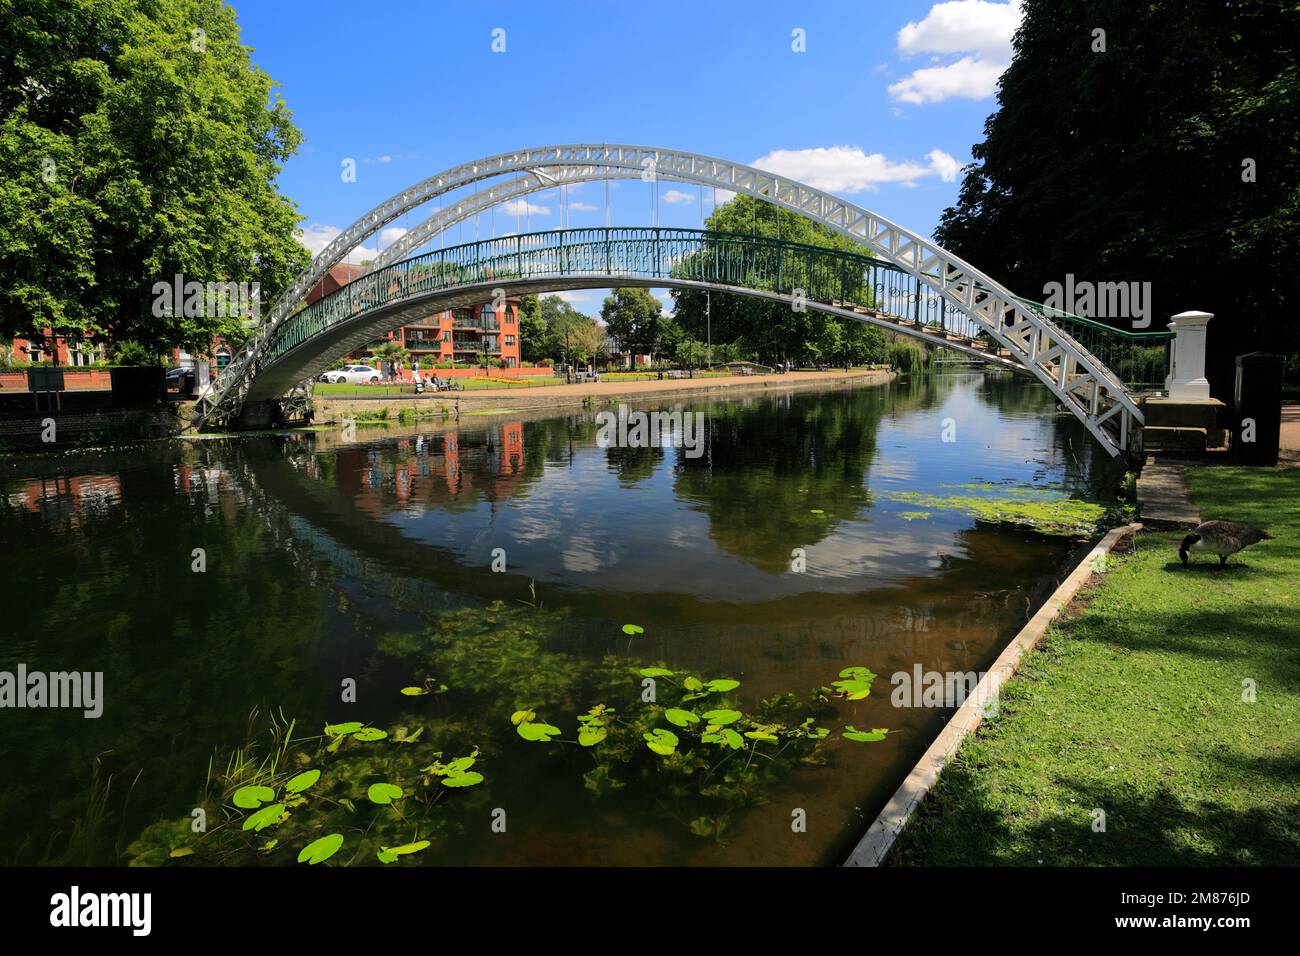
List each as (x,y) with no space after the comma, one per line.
(1043,509)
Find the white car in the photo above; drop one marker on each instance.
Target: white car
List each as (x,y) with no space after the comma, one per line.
(355,374)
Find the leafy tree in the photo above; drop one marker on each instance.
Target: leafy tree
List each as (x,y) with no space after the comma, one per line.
(137,141)
(772,331)
(632,317)
(1132,164)
(569,333)
(391,351)
(532,329)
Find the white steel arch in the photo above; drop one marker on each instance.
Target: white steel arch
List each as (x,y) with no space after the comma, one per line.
(1078,379)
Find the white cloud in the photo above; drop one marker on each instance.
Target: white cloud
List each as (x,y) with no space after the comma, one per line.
(963,26)
(390,235)
(847,169)
(677,196)
(317,236)
(944,165)
(980,29)
(970,78)
(522,207)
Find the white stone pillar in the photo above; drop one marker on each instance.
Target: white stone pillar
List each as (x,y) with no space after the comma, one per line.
(1187,379)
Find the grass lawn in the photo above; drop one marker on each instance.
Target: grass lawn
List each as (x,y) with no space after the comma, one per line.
(350,390)
(1133,704)
(341,389)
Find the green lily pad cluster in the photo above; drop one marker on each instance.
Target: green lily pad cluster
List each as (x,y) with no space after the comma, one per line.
(352,730)
(372,800)
(694,749)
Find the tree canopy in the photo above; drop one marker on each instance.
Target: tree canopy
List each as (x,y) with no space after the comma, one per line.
(1171,157)
(569,333)
(772,331)
(631,316)
(137,142)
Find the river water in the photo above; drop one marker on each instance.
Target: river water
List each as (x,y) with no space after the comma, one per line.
(217,582)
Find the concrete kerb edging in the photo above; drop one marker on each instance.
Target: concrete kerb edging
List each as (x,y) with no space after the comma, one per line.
(884,830)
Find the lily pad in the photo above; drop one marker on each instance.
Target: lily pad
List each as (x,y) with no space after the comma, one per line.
(265,817)
(384,793)
(662,742)
(317,851)
(249,798)
(856,683)
(302,781)
(863,736)
(463,779)
(721,685)
(461,764)
(724,736)
(389,854)
(540,733)
(680,717)
(339,730)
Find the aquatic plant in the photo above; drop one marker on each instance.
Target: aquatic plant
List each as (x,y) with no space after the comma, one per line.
(693,751)
(1043,509)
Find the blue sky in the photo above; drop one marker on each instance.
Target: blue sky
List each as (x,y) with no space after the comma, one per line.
(881,108)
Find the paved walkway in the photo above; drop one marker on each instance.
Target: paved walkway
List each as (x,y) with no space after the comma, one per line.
(1291,426)
(567,395)
(1163,501)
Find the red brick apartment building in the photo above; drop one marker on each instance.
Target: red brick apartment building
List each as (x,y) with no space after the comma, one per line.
(462,336)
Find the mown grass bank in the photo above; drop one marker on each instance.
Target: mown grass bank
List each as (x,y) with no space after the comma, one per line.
(1133,705)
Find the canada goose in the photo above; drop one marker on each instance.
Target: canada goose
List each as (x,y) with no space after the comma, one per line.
(1222,538)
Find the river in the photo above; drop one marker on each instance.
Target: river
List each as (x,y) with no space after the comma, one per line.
(311,576)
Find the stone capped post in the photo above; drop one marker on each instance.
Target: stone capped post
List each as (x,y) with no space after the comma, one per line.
(1187,379)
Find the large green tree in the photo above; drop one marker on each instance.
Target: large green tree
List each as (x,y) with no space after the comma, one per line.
(1171,157)
(532,329)
(773,331)
(569,333)
(632,316)
(137,142)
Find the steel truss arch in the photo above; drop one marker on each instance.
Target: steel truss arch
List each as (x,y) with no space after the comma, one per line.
(1078,379)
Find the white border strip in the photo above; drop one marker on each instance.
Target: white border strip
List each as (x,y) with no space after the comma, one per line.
(882,833)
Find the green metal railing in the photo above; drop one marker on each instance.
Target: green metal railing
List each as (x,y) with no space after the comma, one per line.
(1139,359)
(754,263)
